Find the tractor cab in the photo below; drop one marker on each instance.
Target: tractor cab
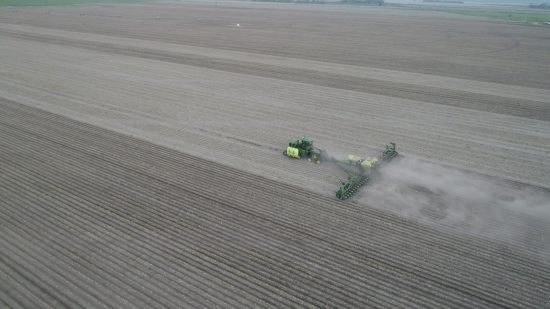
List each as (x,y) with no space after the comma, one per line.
(303,148)
(390,152)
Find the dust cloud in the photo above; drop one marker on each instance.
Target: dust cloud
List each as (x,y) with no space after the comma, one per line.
(463,201)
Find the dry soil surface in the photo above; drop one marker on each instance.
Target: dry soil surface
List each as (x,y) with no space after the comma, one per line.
(92,218)
(467,101)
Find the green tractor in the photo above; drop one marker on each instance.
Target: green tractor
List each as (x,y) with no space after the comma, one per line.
(303,148)
(389,153)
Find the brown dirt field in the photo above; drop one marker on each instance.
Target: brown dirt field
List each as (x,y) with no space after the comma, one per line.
(92,218)
(467,101)
(425,42)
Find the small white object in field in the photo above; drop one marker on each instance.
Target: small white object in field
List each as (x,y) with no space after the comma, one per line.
(238,25)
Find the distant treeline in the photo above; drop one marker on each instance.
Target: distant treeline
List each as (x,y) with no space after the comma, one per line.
(292,1)
(540,6)
(444,1)
(371,2)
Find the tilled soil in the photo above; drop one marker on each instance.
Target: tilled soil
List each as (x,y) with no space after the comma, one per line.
(93,218)
(244,119)
(141,157)
(403,40)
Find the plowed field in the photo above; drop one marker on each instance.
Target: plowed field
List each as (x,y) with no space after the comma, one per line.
(141,165)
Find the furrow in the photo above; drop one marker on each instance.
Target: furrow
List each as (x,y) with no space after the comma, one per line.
(308,197)
(196,258)
(203,240)
(130,153)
